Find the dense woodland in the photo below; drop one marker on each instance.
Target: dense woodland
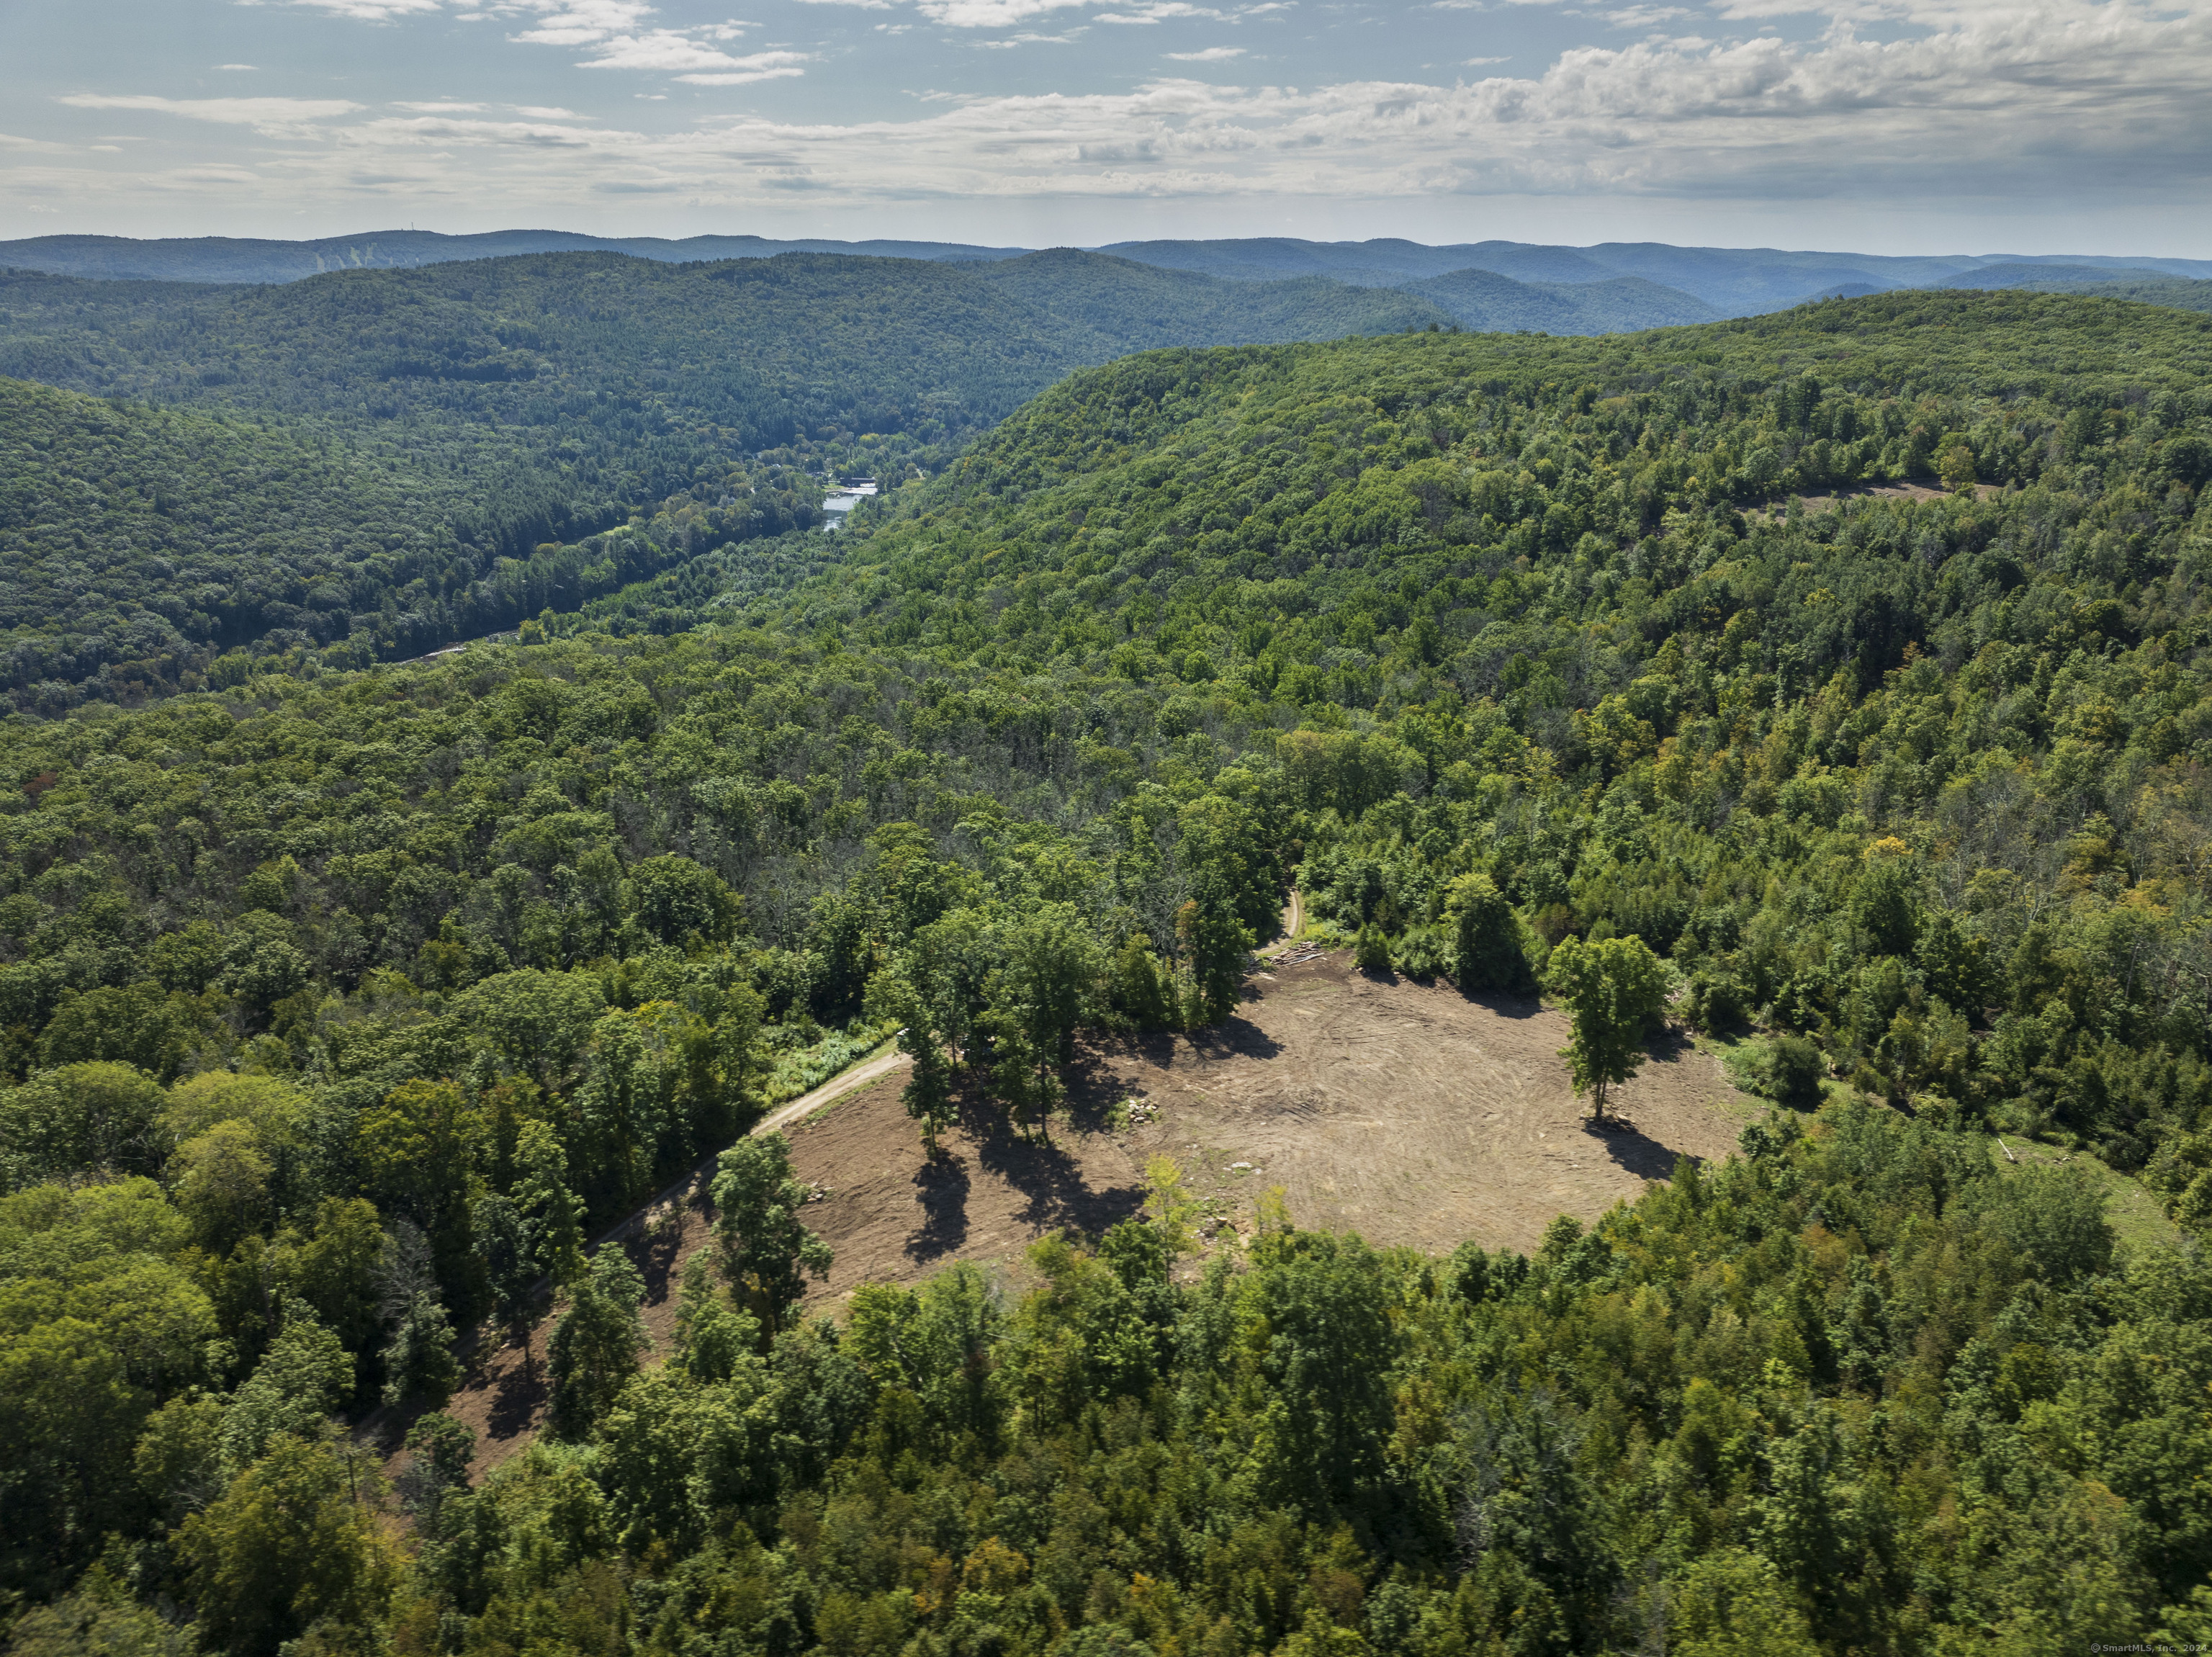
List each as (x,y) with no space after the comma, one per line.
(340,1004)
(495,411)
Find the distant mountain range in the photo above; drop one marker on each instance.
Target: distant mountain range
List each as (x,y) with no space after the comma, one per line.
(1489,303)
(1734,281)
(1228,292)
(228,258)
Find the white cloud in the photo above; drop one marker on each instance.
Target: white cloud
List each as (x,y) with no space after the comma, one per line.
(667,53)
(372,11)
(235,66)
(273,116)
(579,22)
(989,14)
(741,77)
(418,131)
(1645,17)
(441,108)
(538,113)
(1211,55)
(1158,11)
(573,22)
(611,32)
(2043,101)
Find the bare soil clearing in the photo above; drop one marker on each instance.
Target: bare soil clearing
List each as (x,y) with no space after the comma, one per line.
(1404,1111)
(890,1213)
(1410,1113)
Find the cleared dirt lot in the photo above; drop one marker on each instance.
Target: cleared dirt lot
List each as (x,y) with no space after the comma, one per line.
(1404,1112)
(1410,1113)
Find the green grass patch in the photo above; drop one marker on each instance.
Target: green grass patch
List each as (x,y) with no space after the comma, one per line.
(2136,1216)
(801,1069)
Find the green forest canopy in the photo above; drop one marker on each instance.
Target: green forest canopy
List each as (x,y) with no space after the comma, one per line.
(480,417)
(337,1003)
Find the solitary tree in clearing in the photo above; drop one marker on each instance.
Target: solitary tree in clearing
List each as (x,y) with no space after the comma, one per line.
(765,1252)
(1612,988)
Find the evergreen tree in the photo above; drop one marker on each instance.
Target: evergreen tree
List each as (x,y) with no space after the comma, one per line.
(767,1253)
(596,1344)
(419,1365)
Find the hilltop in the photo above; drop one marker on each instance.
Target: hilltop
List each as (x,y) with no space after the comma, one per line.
(1815,708)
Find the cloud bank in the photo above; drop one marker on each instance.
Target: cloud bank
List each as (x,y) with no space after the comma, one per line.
(1920,99)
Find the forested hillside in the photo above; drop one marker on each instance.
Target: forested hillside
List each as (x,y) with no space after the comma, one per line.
(150,549)
(1854,661)
(1734,281)
(1493,304)
(1136,306)
(502,412)
(2178,292)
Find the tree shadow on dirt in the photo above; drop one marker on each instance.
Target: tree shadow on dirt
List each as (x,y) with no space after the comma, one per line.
(941,1188)
(1234,1038)
(1625,1142)
(518,1400)
(655,1253)
(1093,1088)
(1504,1005)
(1670,1046)
(1634,1150)
(1049,1176)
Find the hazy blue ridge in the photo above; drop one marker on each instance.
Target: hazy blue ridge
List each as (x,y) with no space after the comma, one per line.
(1137,307)
(2052,277)
(1734,281)
(1489,303)
(229,259)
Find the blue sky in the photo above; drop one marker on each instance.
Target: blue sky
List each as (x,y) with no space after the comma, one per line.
(1887,126)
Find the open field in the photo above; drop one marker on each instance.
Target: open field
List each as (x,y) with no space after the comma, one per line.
(1408,1112)
(1404,1111)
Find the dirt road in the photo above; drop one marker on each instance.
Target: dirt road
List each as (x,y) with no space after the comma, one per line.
(692,1186)
(836,1087)
(503,1399)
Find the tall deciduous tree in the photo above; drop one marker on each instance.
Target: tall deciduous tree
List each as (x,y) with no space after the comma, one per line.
(596,1344)
(767,1253)
(927,1095)
(1214,944)
(1613,989)
(286,1547)
(1487,953)
(77,1118)
(304,1377)
(507,1239)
